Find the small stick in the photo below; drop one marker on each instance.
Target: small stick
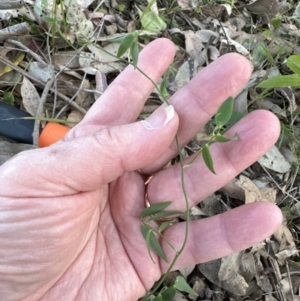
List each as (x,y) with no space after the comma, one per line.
(290,280)
(9,4)
(39,112)
(27,50)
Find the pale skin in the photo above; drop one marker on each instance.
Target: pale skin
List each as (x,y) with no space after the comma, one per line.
(69,213)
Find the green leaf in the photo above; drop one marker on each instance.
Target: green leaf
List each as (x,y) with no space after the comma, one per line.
(280,81)
(34,29)
(152,243)
(236,116)
(152,22)
(134,51)
(126,43)
(183,286)
(163,214)
(224,112)
(9,98)
(121,7)
(155,246)
(154,209)
(293,62)
(208,159)
(50,20)
(164,226)
(146,231)
(163,89)
(276,22)
(220,138)
(169,294)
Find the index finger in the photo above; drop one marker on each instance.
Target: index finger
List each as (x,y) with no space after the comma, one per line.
(124,99)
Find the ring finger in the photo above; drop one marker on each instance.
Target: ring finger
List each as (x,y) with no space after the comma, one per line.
(257,132)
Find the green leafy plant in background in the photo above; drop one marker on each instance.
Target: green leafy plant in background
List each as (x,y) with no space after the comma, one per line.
(66,17)
(151,24)
(288,132)
(52,13)
(281,81)
(222,118)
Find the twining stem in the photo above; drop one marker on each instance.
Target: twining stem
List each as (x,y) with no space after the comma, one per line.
(178,253)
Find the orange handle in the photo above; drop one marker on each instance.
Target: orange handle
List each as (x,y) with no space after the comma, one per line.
(52,133)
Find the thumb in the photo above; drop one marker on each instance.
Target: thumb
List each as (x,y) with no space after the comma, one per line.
(85,163)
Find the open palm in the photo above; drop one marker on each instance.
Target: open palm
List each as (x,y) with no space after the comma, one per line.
(69,213)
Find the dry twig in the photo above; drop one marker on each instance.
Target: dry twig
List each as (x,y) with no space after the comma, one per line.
(9,4)
(36,129)
(27,50)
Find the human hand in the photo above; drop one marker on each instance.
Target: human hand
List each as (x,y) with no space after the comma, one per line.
(69,213)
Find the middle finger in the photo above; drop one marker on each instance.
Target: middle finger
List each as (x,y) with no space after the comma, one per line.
(199,100)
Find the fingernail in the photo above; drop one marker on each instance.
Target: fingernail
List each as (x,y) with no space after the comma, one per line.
(159,118)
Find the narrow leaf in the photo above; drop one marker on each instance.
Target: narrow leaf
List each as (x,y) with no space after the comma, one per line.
(280,81)
(163,89)
(134,52)
(126,43)
(163,214)
(146,231)
(276,22)
(224,112)
(183,286)
(220,138)
(164,226)
(155,246)
(153,209)
(235,117)
(293,62)
(208,159)
(169,294)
